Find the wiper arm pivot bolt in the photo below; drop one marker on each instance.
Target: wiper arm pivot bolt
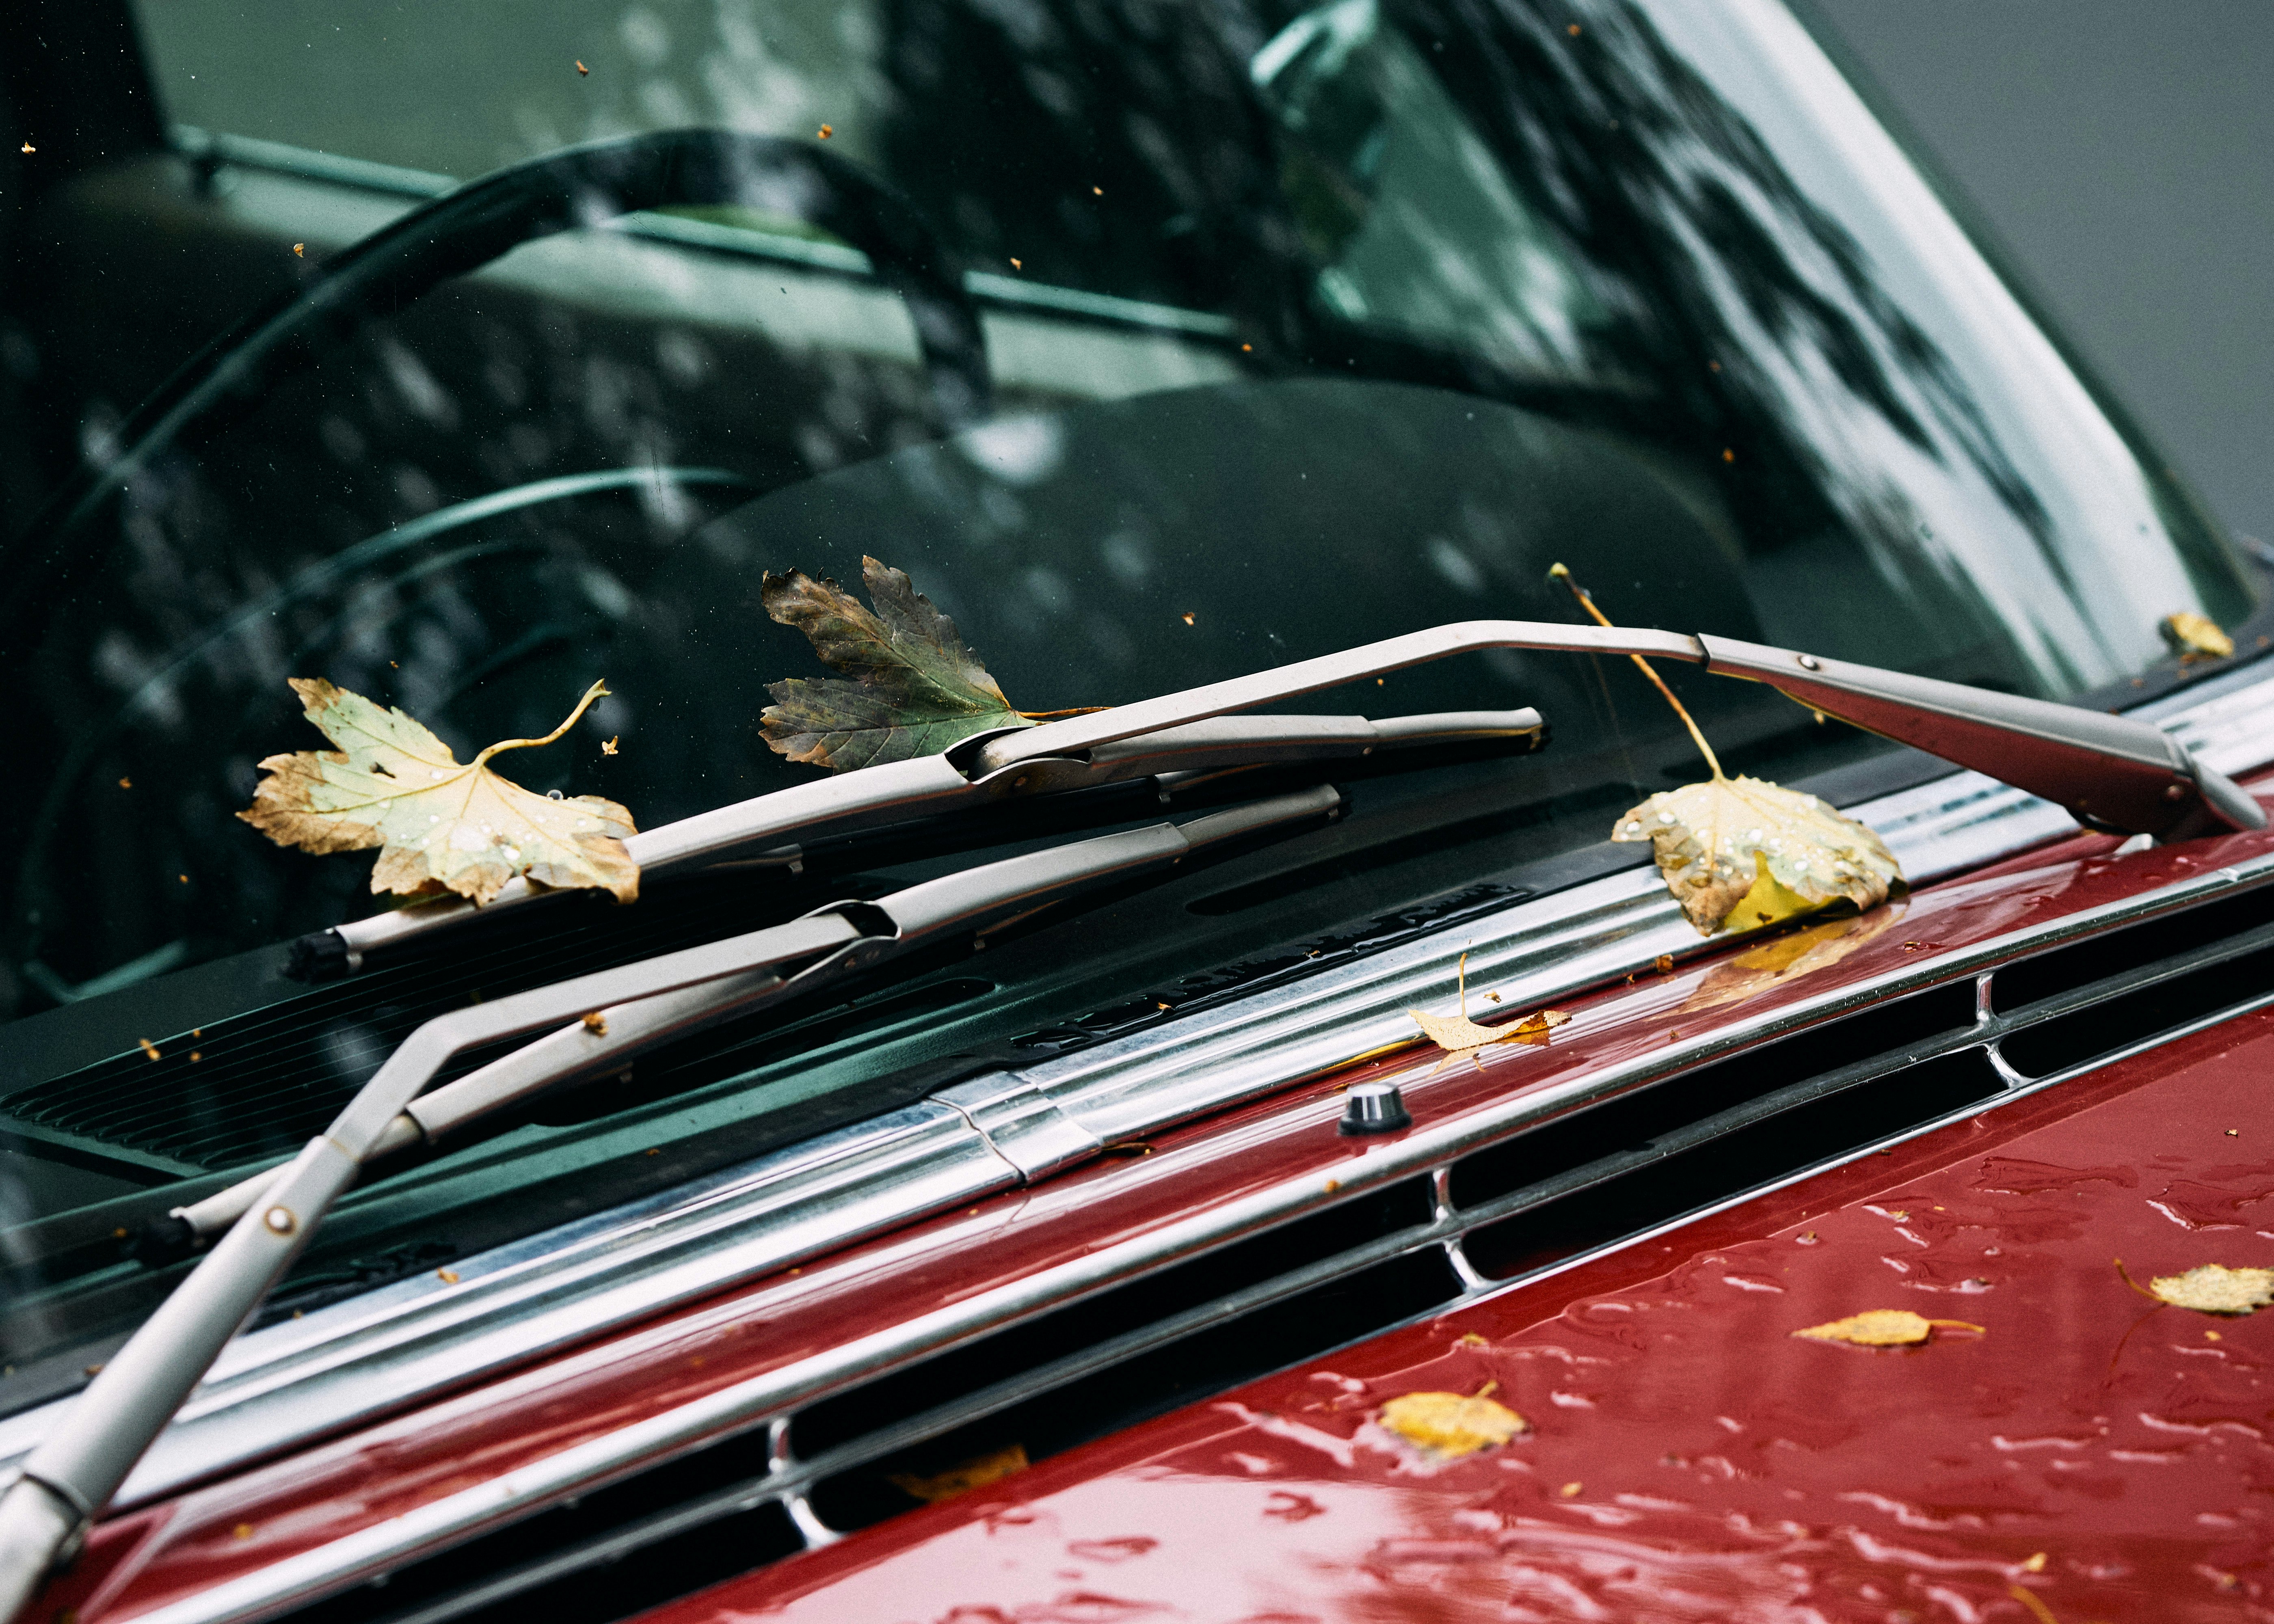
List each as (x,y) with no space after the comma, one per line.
(1375,1107)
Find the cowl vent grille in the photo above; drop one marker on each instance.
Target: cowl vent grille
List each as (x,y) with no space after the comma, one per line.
(1675,1145)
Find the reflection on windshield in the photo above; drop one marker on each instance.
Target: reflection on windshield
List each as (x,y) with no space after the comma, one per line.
(1303,326)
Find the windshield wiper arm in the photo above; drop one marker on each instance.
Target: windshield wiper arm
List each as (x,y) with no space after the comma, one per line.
(75,1470)
(932,788)
(2112,772)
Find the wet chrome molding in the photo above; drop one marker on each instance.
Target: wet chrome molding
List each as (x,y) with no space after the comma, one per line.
(281,1388)
(772,1397)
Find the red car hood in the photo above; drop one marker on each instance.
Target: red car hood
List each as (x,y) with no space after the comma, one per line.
(1687,1456)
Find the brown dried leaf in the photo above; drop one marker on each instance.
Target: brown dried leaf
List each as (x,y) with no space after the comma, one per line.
(1743,852)
(1459,1034)
(2196,636)
(914,690)
(1449,1426)
(1883,1328)
(439,826)
(2214,1289)
(965,1477)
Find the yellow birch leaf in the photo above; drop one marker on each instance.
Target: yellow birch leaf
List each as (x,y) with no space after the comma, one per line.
(1742,853)
(2196,636)
(1883,1328)
(964,1477)
(439,826)
(2214,1289)
(1459,1034)
(1449,1426)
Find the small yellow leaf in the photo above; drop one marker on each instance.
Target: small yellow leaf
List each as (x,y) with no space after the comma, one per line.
(439,826)
(1882,1328)
(1742,853)
(1449,1426)
(2214,1289)
(2195,636)
(964,1477)
(1459,1034)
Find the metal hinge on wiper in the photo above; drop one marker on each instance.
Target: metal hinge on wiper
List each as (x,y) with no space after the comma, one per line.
(2110,772)
(598,1021)
(1174,754)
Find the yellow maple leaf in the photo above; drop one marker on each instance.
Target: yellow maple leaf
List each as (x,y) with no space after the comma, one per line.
(1884,1327)
(2214,1289)
(1459,1034)
(1449,1426)
(1745,852)
(964,1477)
(441,825)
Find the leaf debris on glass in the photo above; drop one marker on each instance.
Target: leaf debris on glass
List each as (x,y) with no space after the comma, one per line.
(1743,850)
(441,825)
(910,686)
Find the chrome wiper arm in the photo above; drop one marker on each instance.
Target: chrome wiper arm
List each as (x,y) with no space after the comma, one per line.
(2109,771)
(932,786)
(75,1470)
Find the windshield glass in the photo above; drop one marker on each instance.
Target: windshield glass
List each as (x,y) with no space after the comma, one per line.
(1159,343)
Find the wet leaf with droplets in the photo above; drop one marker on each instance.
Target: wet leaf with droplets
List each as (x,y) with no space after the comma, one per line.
(2214,1289)
(1742,853)
(1449,1426)
(1883,1328)
(441,825)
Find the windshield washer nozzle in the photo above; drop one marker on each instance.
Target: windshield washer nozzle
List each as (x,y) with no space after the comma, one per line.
(1375,1107)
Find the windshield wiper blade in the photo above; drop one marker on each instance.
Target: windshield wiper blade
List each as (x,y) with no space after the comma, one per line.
(937,787)
(600,1018)
(2110,772)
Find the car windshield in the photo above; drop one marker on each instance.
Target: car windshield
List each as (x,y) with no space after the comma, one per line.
(1159,342)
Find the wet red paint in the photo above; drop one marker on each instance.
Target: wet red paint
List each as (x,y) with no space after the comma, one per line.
(210,1535)
(1689,1457)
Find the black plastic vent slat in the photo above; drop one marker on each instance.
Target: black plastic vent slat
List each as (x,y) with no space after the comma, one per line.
(1816,1133)
(2064,969)
(2111,1023)
(1231,1268)
(1569,1141)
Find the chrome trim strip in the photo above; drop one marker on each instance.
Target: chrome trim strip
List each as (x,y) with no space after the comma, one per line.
(280,1388)
(768,1397)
